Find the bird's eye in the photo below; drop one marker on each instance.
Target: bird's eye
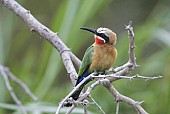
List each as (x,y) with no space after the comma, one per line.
(102,35)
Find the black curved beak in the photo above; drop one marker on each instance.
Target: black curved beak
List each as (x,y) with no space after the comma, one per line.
(89,29)
(102,35)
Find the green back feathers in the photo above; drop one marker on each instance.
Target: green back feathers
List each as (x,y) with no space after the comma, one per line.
(87,60)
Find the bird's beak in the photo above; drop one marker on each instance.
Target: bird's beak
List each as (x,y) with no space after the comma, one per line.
(89,29)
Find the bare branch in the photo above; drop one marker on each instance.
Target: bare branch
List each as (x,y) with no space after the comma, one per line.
(99,107)
(114,76)
(85,109)
(132,58)
(117,69)
(3,71)
(119,97)
(71,109)
(146,77)
(35,26)
(23,85)
(117,108)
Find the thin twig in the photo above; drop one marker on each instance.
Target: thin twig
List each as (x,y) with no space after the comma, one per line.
(10,89)
(23,85)
(132,58)
(85,109)
(99,107)
(114,76)
(117,69)
(71,109)
(117,108)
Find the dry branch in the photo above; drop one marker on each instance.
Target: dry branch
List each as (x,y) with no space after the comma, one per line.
(119,97)
(6,74)
(44,32)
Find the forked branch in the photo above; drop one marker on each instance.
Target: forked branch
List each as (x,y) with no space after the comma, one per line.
(119,73)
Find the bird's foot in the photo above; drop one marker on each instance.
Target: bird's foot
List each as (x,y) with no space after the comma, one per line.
(97,73)
(117,99)
(113,70)
(102,73)
(85,102)
(68,102)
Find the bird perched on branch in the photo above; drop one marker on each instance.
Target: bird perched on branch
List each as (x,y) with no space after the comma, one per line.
(98,57)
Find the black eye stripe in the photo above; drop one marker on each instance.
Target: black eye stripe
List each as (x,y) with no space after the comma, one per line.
(106,38)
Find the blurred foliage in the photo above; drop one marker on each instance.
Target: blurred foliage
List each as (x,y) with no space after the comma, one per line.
(38,64)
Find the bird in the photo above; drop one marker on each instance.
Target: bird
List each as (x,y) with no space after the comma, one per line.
(98,58)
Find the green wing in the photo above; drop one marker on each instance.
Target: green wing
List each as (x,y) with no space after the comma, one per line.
(87,60)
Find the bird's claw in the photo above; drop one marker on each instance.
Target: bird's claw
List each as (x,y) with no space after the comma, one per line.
(97,73)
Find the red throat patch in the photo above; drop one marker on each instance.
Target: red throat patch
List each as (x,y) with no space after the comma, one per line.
(99,41)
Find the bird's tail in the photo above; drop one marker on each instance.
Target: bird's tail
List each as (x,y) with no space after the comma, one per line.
(76,94)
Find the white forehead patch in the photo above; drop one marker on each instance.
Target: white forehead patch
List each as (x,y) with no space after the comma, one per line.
(102,30)
(105,31)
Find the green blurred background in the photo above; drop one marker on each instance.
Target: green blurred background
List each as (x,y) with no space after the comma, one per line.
(38,64)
